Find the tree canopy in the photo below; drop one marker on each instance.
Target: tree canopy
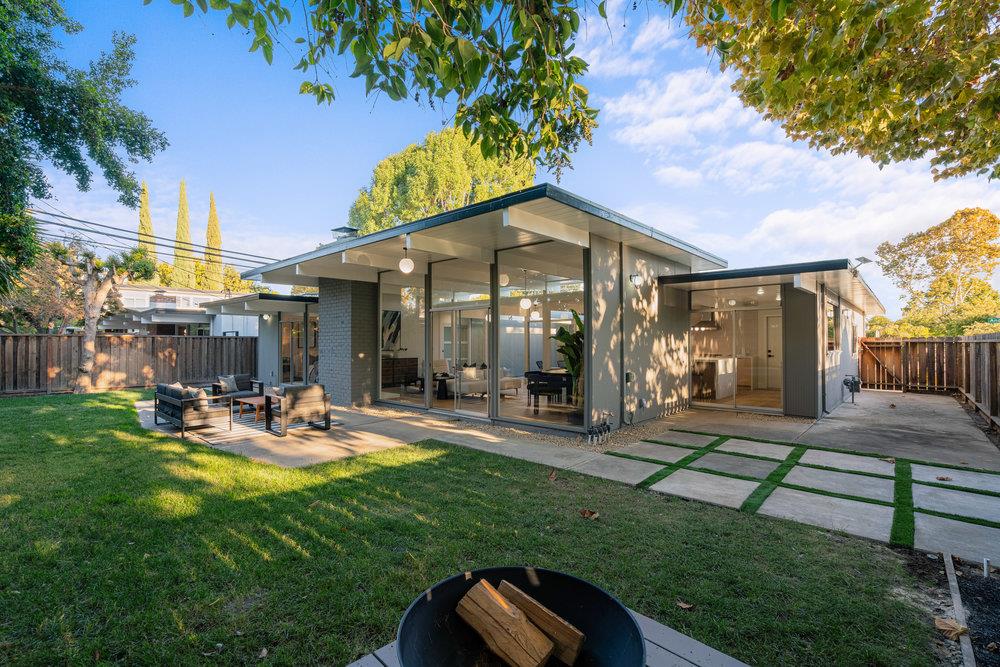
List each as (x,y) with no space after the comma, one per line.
(944,271)
(890,81)
(183,273)
(213,243)
(444,172)
(70,118)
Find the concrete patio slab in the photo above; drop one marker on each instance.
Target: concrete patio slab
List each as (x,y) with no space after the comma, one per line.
(847,483)
(848,516)
(965,540)
(651,450)
(765,449)
(617,468)
(706,487)
(738,465)
(972,480)
(738,424)
(960,503)
(848,462)
(682,438)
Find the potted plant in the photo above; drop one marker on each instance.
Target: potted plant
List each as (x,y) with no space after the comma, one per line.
(571,349)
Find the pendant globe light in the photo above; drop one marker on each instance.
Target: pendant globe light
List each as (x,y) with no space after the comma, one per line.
(525,301)
(405,264)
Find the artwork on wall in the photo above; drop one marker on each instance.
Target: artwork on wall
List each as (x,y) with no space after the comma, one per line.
(391,322)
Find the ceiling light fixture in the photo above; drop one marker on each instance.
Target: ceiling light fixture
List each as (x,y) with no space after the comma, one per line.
(525,301)
(760,291)
(504,280)
(405,264)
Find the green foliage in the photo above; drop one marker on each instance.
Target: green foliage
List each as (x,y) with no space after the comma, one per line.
(944,271)
(882,327)
(571,349)
(146,239)
(164,274)
(213,240)
(444,172)
(69,118)
(298,290)
(891,81)
(44,299)
(184,275)
(232,282)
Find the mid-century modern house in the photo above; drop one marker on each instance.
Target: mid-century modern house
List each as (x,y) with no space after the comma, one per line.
(542,308)
(173,311)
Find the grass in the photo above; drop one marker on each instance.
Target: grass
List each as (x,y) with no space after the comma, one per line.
(122,545)
(902,516)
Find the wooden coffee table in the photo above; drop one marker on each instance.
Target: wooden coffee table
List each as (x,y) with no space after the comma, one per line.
(257,402)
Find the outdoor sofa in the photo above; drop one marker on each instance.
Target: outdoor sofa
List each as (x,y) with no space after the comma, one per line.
(244,386)
(297,402)
(185,407)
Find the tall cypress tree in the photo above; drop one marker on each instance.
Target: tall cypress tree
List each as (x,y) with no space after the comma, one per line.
(213,241)
(146,239)
(183,257)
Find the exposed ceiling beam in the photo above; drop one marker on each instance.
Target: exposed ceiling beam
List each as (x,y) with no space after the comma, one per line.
(362,258)
(446,248)
(332,267)
(517,218)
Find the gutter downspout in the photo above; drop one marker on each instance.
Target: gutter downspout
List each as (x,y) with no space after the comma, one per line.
(823,344)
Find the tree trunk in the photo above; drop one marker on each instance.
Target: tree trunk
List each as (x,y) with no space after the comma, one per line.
(95,293)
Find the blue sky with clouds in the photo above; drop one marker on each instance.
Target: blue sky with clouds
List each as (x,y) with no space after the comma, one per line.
(675,148)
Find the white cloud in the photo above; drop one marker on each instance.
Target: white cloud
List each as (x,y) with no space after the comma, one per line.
(629,46)
(677,176)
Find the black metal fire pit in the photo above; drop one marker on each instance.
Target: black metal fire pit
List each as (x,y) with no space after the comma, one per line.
(431,633)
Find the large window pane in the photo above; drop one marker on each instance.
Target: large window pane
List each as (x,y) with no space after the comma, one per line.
(402,338)
(541,370)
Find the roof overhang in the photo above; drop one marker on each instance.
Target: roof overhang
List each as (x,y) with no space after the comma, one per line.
(838,275)
(543,213)
(259,304)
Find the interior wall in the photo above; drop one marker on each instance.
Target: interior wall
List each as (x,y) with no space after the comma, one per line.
(603,368)
(655,322)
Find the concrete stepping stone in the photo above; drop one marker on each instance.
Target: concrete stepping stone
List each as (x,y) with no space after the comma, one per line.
(848,462)
(973,480)
(738,465)
(961,503)
(651,450)
(706,487)
(847,483)
(848,516)
(682,438)
(965,540)
(765,449)
(617,468)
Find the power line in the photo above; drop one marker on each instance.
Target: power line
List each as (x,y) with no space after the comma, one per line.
(212,253)
(195,246)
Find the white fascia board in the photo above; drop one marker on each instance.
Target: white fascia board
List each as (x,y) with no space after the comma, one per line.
(529,222)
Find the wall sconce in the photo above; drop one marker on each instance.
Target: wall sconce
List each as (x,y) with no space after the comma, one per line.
(267,317)
(635,279)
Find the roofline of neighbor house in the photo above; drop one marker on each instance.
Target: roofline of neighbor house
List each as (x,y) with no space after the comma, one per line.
(533,193)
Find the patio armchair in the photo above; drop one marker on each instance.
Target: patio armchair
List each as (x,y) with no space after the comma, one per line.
(185,407)
(244,386)
(305,402)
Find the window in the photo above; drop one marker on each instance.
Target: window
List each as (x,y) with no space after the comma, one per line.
(832,327)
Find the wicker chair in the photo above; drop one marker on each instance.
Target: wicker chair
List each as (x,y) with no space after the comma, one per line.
(308,402)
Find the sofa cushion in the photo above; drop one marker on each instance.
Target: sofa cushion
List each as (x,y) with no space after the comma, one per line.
(470,373)
(243,382)
(227,383)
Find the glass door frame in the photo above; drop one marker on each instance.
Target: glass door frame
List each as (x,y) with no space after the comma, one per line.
(456,348)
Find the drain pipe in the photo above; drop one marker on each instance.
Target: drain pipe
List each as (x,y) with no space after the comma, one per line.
(823,343)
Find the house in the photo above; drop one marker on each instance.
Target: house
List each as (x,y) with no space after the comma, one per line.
(542,308)
(173,311)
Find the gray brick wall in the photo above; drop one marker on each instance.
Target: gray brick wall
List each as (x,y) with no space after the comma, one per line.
(348,340)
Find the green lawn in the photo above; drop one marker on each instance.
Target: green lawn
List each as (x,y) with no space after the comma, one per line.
(123,545)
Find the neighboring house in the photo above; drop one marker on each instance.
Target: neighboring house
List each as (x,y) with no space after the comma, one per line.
(457,313)
(155,310)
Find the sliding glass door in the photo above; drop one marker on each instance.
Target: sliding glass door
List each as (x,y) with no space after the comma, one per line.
(461,368)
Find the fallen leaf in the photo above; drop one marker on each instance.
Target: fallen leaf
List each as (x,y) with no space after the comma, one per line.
(262,654)
(993,647)
(943,478)
(589,514)
(684,605)
(889,459)
(892,405)
(951,628)
(552,475)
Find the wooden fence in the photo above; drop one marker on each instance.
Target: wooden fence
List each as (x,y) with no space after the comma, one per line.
(47,363)
(967,364)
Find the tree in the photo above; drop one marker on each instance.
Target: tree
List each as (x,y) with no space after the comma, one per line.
(444,172)
(888,80)
(97,278)
(304,290)
(944,272)
(146,239)
(184,275)
(880,326)
(232,282)
(164,274)
(55,114)
(213,241)
(45,298)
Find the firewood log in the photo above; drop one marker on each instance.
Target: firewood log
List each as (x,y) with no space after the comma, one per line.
(506,630)
(567,639)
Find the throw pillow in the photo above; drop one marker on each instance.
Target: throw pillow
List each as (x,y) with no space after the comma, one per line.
(228,384)
(470,373)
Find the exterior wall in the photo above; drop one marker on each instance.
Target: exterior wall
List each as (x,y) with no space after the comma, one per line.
(246,325)
(603,368)
(348,340)
(801,335)
(844,361)
(655,341)
(269,350)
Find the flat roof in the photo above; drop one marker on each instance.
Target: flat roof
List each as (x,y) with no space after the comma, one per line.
(837,274)
(260,302)
(568,212)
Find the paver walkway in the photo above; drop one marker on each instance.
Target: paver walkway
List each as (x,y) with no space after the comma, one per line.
(910,503)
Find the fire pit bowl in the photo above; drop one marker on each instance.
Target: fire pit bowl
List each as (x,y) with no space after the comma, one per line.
(432,634)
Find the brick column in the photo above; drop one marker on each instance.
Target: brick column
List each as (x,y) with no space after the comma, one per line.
(348,340)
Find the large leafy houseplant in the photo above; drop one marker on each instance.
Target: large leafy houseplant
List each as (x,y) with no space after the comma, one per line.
(571,349)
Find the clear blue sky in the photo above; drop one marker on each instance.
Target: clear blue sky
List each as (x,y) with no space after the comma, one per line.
(675,147)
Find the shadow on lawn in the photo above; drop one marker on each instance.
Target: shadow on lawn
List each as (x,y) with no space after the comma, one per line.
(128,545)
